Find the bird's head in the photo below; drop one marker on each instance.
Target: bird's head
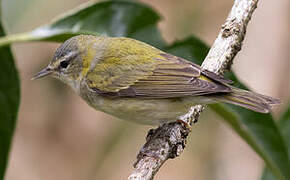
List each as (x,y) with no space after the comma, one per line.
(71,60)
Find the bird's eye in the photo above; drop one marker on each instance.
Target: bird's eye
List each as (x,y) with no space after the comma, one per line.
(64,64)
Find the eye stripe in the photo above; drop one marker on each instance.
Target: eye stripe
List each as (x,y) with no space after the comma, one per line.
(70,56)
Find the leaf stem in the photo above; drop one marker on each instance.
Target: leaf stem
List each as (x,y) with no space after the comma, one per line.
(21,37)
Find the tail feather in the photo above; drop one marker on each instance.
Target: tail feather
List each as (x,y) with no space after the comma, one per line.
(250,100)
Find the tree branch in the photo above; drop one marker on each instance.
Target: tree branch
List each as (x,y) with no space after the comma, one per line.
(168,140)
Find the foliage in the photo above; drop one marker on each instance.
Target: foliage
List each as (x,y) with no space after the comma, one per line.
(9,101)
(284,125)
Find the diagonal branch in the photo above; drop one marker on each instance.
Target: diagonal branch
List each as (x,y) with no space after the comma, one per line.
(168,141)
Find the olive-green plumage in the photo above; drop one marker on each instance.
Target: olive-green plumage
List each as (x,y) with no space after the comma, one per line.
(135,81)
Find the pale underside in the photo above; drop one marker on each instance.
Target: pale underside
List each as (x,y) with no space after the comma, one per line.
(144,111)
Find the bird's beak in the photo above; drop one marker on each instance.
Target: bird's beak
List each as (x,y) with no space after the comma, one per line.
(45,72)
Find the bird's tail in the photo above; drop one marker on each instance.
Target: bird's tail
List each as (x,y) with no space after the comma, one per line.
(247,99)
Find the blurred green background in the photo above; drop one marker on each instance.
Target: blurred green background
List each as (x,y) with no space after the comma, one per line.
(59,137)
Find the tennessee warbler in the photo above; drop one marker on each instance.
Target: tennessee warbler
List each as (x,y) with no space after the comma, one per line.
(134,81)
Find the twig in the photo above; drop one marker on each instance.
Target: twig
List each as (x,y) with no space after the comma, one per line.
(168,141)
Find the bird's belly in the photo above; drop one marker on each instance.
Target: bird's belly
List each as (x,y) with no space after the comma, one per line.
(145,111)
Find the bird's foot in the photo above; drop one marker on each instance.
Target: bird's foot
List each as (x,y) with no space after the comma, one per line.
(184,124)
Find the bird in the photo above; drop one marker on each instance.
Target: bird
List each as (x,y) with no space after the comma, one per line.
(134,81)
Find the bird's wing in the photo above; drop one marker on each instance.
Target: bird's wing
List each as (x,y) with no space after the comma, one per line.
(163,76)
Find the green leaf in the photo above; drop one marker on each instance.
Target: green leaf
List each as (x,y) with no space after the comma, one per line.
(113,18)
(284,125)
(258,130)
(191,48)
(9,101)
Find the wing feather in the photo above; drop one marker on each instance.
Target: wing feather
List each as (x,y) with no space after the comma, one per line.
(161,75)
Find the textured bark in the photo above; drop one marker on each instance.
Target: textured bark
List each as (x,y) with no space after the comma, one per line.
(169,140)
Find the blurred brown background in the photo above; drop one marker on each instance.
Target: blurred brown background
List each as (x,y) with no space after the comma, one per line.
(60,137)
